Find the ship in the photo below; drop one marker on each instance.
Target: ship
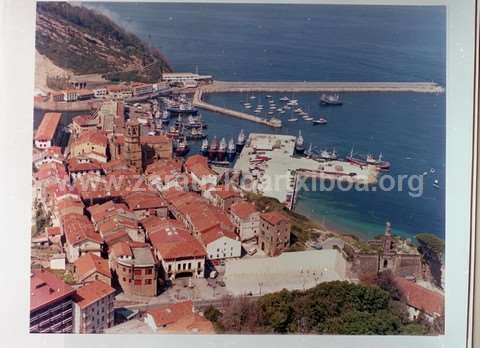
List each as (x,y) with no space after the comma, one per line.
(212,150)
(327,155)
(330,99)
(222,148)
(321,120)
(195,122)
(165,117)
(240,141)
(384,165)
(231,150)
(309,151)
(182,109)
(181,148)
(204,148)
(299,144)
(196,134)
(370,160)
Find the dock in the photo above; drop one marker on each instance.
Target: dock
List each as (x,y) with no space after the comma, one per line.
(198,102)
(299,86)
(317,86)
(269,167)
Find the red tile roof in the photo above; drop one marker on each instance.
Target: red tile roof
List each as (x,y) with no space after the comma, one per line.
(274,217)
(225,192)
(75,165)
(89,263)
(85,120)
(99,212)
(93,137)
(50,170)
(173,242)
(429,301)
(77,228)
(53,231)
(168,314)
(243,209)
(217,233)
(48,126)
(46,288)
(144,200)
(91,293)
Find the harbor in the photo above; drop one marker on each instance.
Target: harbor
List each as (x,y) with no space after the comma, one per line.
(270,165)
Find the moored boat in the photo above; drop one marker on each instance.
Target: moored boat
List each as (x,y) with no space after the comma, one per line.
(330,99)
(222,148)
(231,150)
(300,144)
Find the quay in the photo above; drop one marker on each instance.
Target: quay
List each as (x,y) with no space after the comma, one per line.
(269,167)
(323,86)
(198,102)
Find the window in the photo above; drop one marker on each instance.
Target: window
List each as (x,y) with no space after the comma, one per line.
(124,279)
(200,264)
(148,281)
(184,266)
(189,265)
(138,282)
(179,267)
(148,271)
(169,268)
(137,272)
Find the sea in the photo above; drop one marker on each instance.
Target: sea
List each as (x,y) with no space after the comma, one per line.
(266,42)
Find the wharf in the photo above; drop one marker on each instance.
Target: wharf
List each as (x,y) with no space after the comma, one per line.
(198,102)
(269,167)
(320,86)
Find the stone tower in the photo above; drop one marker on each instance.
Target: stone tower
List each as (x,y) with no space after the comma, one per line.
(132,149)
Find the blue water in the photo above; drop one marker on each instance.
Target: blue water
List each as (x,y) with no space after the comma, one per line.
(324,42)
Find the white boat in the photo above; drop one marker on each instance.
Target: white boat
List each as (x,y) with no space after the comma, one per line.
(298,110)
(253,97)
(248,106)
(285,99)
(257,111)
(308,118)
(292,119)
(270,112)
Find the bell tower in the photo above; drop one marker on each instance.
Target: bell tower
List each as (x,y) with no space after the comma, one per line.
(133,150)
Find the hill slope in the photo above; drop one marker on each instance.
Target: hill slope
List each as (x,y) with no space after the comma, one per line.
(83,41)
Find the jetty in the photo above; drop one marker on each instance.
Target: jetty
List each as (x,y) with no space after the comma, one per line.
(299,86)
(323,86)
(198,102)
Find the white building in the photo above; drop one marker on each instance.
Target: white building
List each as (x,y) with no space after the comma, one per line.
(246,219)
(221,244)
(185,77)
(100,92)
(93,308)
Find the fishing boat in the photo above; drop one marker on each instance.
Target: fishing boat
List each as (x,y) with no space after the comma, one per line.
(212,150)
(231,150)
(181,148)
(284,99)
(222,148)
(240,141)
(370,160)
(204,148)
(327,155)
(299,144)
(330,99)
(321,120)
(196,134)
(385,165)
(309,151)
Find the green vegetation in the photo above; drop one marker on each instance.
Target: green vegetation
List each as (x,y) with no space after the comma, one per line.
(66,276)
(84,41)
(329,308)
(432,249)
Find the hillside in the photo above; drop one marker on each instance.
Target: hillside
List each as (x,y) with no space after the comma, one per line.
(83,41)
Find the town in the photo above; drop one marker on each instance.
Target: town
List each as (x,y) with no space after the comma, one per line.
(132,233)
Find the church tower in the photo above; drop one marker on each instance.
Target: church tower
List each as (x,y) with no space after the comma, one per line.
(132,149)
